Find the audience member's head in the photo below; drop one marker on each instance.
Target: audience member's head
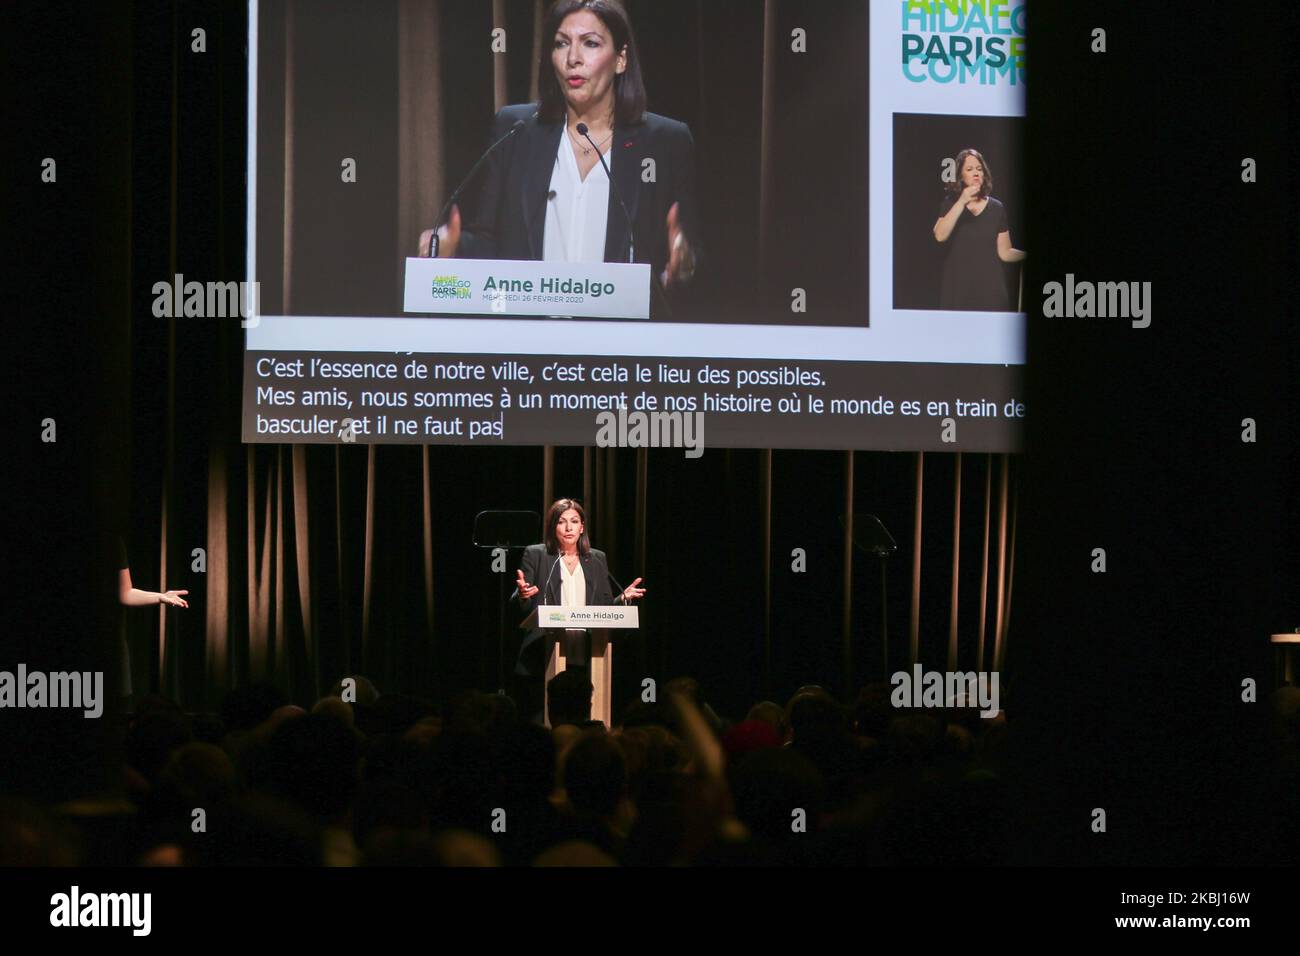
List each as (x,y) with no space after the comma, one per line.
(651,752)
(462,781)
(575,853)
(282,714)
(394,714)
(914,737)
(29,836)
(208,728)
(565,736)
(335,708)
(595,776)
(872,711)
(527,761)
(775,791)
(312,762)
(463,848)
(200,775)
(152,739)
(569,698)
(749,736)
(387,804)
(810,709)
(819,728)
(355,689)
(245,708)
(641,713)
(262,830)
(773,714)
(469,710)
(390,847)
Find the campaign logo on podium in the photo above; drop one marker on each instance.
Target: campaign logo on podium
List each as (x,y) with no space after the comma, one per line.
(450,287)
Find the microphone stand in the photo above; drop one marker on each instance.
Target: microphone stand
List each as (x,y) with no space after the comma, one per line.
(434,242)
(627,217)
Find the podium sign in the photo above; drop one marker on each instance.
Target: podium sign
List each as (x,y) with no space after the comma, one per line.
(597,618)
(598,615)
(505,287)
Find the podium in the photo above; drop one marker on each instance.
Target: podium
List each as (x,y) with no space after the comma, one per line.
(599,619)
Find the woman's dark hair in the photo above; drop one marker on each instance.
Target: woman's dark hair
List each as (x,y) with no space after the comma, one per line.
(553,519)
(986,185)
(629,88)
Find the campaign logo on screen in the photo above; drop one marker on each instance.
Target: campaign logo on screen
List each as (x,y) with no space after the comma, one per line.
(963,41)
(451,287)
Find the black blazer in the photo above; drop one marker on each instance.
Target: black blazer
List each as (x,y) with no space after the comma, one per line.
(542,570)
(509,219)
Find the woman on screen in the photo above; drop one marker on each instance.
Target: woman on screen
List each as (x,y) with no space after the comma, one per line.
(546,194)
(563,570)
(973,225)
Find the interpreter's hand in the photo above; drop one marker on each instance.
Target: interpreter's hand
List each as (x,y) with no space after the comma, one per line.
(526,590)
(448,237)
(632,592)
(174,598)
(968,195)
(681,258)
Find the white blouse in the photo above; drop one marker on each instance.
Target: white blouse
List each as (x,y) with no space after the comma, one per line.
(573,589)
(577,214)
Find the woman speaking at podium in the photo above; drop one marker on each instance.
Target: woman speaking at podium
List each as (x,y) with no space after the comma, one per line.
(547,196)
(563,570)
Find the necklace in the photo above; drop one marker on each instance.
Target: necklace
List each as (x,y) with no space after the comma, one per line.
(586,150)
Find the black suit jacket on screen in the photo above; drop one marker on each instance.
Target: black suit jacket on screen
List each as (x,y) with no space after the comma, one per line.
(509,220)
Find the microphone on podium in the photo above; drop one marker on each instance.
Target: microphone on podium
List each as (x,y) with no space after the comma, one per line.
(554,564)
(621,589)
(631,241)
